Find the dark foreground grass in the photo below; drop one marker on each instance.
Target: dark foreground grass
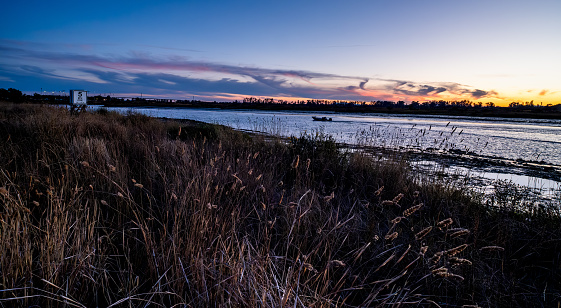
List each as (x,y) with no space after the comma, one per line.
(100,209)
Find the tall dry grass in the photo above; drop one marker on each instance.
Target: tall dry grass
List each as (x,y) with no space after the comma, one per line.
(101,209)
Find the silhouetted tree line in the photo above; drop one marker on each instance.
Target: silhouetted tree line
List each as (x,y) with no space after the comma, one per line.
(16,96)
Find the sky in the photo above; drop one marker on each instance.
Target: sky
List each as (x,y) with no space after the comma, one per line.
(363,50)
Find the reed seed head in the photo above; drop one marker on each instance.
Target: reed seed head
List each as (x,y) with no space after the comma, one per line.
(456,250)
(459,261)
(423,233)
(440,272)
(336,263)
(388,203)
(436,257)
(444,223)
(459,233)
(309,267)
(492,248)
(412,210)
(392,236)
(397,198)
(296,161)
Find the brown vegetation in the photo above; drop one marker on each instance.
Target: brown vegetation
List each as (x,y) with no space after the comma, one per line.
(101,209)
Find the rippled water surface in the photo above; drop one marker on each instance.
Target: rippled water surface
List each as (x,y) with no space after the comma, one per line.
(523,139)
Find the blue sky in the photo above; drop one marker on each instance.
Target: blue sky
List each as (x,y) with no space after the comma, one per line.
(498,51)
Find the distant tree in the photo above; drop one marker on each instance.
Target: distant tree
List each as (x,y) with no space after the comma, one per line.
(11,95)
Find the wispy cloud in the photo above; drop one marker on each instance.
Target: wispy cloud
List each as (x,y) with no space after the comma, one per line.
(178,75)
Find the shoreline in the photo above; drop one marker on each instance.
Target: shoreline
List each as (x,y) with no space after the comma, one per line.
(547,113)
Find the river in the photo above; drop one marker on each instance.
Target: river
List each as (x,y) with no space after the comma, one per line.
(523,151)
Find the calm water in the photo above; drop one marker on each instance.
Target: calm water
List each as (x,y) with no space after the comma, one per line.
(525,139)
(519,141)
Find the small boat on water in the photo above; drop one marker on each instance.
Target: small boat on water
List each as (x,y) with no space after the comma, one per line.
(322,119)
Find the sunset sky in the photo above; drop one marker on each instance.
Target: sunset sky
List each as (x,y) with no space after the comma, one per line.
(499,51)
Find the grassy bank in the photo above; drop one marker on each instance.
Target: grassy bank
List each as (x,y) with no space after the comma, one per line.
(101,209)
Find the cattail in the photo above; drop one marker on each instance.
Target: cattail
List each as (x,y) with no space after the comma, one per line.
(392,236)
(444,223)
(120,195)
(103,202)
(85,164)
(250,172)
(422,233)
(258,177)
(379,191)
(255,155)
(492,248)
(336,263)
(138,185)
(3,191)
(459,233)
(456,250)
(36,203)
(133,180)
(459,261)
(396,220)
(112,168)
(412,210)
